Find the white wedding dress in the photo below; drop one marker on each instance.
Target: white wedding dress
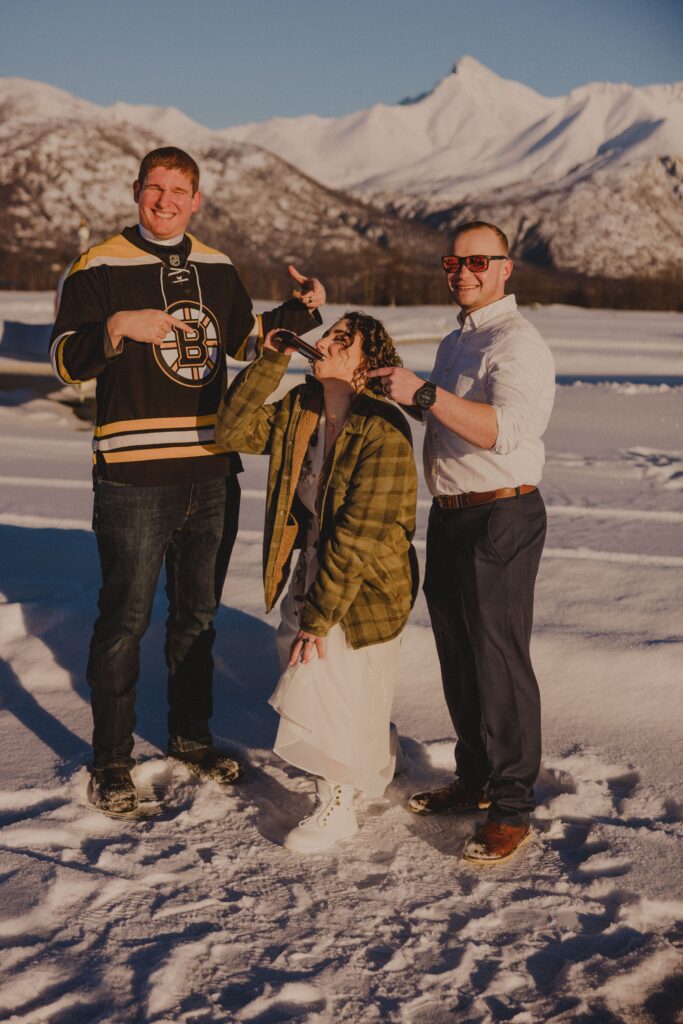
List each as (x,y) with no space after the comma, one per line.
(334,712)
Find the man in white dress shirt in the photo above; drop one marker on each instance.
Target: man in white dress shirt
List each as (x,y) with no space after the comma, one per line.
(486,405)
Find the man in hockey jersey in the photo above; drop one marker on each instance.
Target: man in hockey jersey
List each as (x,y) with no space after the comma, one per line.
(151,313)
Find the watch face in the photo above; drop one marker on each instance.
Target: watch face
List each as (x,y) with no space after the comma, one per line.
(425,396)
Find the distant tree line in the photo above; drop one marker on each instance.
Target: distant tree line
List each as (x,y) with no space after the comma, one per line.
(548,285)
(387,277)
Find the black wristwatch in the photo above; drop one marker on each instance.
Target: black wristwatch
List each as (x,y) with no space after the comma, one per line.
(425,396)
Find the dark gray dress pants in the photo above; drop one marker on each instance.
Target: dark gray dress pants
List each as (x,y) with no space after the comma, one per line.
(479,584)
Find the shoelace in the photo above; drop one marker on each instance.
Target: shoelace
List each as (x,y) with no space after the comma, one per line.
(180,275)
(324,808)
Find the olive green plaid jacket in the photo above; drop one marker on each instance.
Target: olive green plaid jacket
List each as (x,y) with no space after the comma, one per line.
(367,577)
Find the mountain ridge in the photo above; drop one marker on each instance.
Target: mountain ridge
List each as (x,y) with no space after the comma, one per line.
(604,162)
(65,162)
(474,131)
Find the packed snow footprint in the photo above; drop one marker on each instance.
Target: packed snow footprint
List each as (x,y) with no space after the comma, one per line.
(199,915)
(189,902)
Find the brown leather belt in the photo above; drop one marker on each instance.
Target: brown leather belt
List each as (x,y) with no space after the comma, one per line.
(471,498)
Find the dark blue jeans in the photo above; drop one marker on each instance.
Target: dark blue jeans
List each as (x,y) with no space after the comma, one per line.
(192,528)
(479,584)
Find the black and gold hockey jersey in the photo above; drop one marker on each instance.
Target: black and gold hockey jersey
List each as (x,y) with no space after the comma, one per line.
(157,404)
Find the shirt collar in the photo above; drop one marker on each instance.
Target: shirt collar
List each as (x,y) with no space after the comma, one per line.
(480,317)
(149,237)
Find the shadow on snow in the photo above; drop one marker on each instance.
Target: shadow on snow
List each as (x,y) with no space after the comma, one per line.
(54,576)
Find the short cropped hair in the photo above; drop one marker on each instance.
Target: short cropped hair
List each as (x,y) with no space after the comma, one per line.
(173,159)
(473,225)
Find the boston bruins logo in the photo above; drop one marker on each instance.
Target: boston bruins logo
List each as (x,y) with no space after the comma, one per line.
(190,359)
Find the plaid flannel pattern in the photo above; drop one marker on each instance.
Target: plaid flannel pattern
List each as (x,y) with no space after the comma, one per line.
(367,577)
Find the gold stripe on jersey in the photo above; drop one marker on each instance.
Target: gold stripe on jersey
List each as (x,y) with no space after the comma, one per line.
(201,253)
(163,423)
(124,442)
(114,251)
(149,454)
(253,342)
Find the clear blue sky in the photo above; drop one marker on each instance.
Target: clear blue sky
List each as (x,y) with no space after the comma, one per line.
(227,61)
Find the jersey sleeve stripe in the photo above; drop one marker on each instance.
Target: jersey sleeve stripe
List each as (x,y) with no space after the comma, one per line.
(57,359)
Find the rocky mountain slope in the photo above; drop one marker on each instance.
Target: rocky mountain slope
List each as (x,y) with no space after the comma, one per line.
(588,183)
(64,162)
(605,221)
(591,181)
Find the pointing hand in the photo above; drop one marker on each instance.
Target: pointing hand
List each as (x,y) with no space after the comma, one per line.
(150,326)
(310,291)
(399,384)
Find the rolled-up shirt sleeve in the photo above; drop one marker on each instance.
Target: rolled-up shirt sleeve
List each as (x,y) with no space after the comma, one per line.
(519,369)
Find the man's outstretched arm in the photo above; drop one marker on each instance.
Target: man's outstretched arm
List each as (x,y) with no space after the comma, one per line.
(475,422)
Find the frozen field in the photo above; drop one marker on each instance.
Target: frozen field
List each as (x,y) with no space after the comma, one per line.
(200,915)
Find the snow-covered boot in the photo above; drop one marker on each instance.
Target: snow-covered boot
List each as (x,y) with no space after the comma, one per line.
(333,818)
(206,762)
(113,791)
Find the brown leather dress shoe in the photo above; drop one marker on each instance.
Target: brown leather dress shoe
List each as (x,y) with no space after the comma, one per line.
(455,798)
(494,843)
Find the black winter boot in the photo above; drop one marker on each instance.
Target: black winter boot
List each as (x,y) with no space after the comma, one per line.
(113,791)
(207,763)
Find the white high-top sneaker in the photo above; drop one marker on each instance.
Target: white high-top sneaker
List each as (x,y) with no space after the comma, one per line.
(333,818)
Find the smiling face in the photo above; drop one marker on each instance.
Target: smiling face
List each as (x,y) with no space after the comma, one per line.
(473,290)
(166,201)
(343,354)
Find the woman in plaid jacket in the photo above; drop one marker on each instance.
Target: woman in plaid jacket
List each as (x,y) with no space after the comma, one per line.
(342,486)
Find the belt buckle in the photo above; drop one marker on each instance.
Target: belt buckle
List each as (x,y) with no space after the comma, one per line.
(450,501)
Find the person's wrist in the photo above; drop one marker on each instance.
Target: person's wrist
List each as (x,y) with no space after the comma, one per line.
(112,328)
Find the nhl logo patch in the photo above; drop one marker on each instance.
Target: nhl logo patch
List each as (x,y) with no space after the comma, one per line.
(174,259)
(190,359)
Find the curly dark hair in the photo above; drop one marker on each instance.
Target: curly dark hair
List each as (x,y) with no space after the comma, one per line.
(378,348)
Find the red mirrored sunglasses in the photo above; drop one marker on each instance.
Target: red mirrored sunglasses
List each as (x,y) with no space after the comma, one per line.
(475,264)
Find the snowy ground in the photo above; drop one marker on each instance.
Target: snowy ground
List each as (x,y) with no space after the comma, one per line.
(200,915)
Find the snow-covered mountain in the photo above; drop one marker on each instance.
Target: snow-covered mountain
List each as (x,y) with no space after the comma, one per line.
(474,132)
(591,181)
(64,161)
